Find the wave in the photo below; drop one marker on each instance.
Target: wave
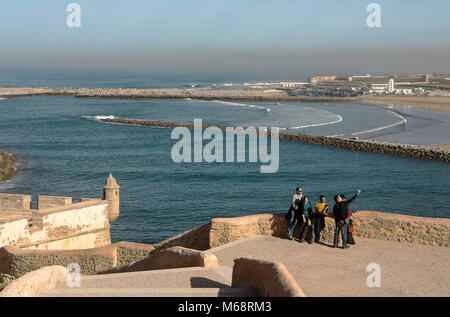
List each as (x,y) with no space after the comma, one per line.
(401,122)
(314,124)
(7,184)
(3,98)
(223,85)
(98,118)
(339,119)
(234,104)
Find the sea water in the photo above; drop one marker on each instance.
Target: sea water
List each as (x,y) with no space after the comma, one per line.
(63,149)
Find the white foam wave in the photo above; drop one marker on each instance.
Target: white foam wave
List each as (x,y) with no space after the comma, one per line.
(7,185)
(402,121)
(234,104)
(339,119)
(3,98)
(223,85)
(98,118)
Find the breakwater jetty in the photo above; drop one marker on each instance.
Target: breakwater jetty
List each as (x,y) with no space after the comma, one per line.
(167,93)
(405,150)
(7,169)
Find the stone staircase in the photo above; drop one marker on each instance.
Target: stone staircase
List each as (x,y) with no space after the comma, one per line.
(183,282)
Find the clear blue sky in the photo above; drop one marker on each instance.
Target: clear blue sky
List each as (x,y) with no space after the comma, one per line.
(142,33)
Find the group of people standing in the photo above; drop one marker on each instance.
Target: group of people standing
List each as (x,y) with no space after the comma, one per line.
(301,212)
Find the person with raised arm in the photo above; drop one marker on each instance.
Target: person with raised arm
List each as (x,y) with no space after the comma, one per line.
(341,212)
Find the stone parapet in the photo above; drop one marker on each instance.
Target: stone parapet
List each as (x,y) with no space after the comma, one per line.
(174,257)
(10,202)
(367,224)
(266,278)
(17,262)
(75,226)
(33,283)
(44,202)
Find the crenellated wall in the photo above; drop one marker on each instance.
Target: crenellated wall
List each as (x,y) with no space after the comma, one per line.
(58,223)
(74,226)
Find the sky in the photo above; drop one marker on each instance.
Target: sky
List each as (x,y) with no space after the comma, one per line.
(321,36)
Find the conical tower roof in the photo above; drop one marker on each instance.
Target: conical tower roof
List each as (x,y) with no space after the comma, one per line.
(111,182)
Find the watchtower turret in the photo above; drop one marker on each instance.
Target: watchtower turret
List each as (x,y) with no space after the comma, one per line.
(111,194)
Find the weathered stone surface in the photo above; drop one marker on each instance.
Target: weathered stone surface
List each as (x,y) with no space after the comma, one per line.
(129,252)
(197,238)
(44,202)
(174,257)
(16,262)
(7,163)
(33,283)
(81,225)
(268,279)
(6,278)
(58,223)
(14,202)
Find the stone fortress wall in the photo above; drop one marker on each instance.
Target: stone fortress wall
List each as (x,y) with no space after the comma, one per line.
(368,224)
(60,232)
(58,223)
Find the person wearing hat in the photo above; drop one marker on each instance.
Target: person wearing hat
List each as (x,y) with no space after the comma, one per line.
(291,215)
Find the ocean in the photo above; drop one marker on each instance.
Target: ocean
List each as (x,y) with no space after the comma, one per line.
(63,149)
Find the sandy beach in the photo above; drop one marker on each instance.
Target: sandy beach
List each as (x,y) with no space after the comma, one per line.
(441,104)
(442,146)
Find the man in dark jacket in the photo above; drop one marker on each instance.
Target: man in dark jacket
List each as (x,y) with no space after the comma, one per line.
(341,213)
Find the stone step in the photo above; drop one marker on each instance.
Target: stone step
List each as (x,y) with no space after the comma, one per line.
(149,292)
(193,277)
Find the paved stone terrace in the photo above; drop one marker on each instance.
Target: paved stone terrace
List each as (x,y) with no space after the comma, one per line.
(320,270)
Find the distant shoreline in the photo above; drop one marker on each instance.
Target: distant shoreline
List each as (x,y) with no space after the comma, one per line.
(441,104)
(434,103)
(7,163)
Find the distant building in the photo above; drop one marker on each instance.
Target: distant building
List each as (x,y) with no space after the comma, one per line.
(391,86)
(379,88)
(404,91)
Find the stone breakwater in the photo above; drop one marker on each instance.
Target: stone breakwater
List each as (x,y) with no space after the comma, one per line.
(7,169)
(405,150)
(166,93)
